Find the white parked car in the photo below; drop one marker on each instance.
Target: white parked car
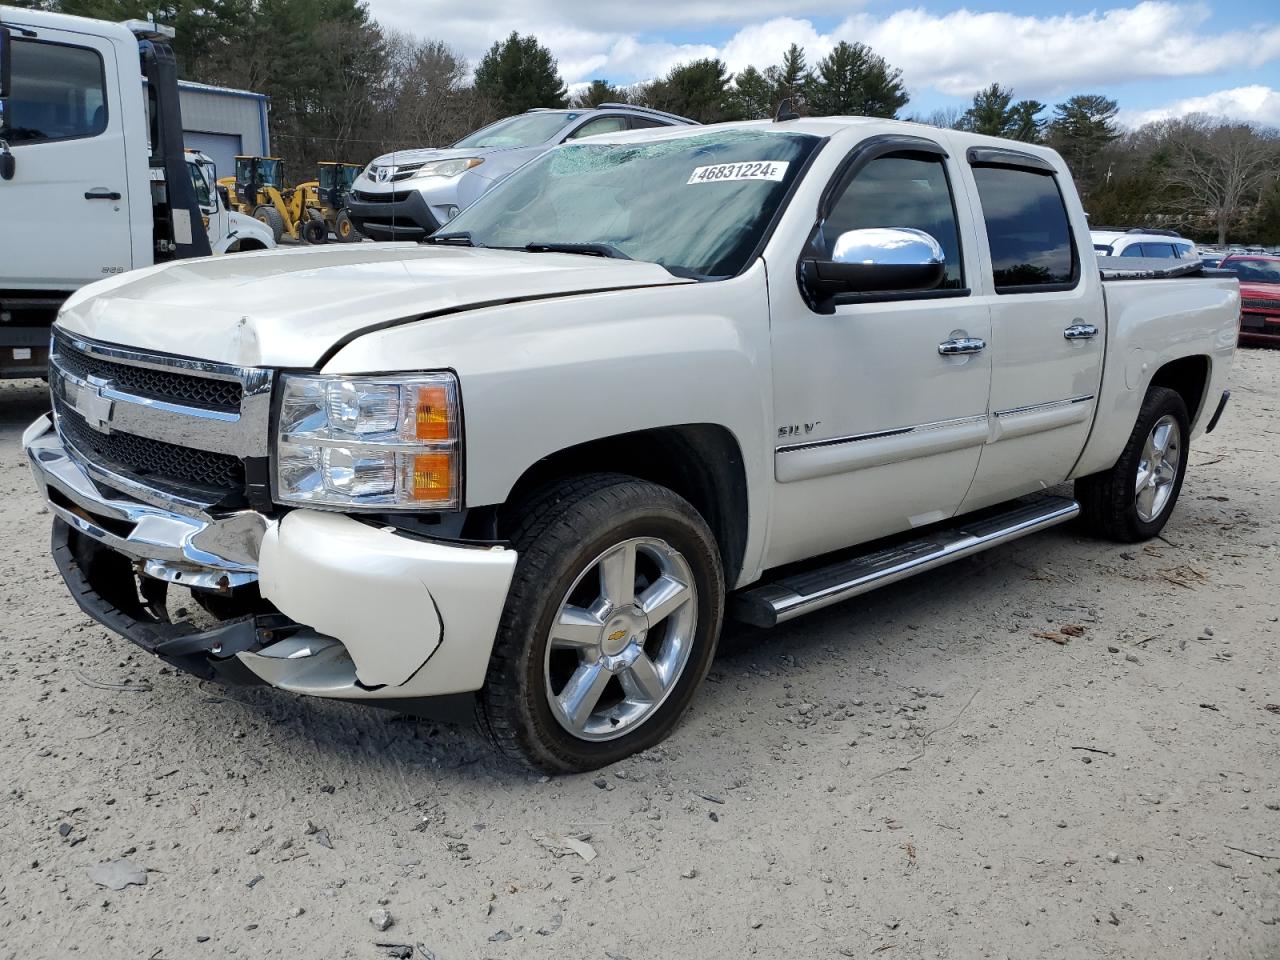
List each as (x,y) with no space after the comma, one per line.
(1138,243)
(527,467)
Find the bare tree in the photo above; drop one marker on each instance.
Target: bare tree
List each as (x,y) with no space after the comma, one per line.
(946,117)
(428,100)
(1219,166)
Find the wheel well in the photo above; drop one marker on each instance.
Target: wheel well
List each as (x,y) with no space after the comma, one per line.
(245,244)
(701,462)
(1189,376)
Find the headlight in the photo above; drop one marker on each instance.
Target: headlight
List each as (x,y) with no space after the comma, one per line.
(446,168)
(370,442)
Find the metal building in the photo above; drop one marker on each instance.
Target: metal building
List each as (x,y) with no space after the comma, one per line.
(224,123)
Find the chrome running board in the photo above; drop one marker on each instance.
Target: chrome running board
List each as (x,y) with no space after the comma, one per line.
(768,604)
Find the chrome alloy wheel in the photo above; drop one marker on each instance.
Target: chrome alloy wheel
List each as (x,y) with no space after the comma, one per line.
(1158,468)
(621,639)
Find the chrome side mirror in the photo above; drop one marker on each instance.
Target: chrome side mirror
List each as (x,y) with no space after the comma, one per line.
(884,260)
(888,246)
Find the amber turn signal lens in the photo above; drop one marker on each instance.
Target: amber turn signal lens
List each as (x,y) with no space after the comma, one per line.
(433,476)
(431,413)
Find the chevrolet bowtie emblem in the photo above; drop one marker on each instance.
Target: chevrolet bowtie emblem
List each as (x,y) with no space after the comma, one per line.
(94,407)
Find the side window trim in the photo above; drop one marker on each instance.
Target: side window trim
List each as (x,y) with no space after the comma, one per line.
(1026,163)
(102,84)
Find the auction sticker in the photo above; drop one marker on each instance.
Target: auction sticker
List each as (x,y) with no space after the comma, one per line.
(748,170)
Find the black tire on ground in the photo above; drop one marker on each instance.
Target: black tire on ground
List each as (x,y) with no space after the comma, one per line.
(271,217)
(1109,501)
(559,532)
(344,229)
(315,231)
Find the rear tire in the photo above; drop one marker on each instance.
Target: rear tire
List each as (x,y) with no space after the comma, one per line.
(271,217)
(610,624)
(1134,499)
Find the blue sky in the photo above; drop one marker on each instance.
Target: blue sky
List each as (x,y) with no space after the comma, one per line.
(1156,57)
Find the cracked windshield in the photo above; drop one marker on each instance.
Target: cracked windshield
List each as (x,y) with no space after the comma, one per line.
(696,205)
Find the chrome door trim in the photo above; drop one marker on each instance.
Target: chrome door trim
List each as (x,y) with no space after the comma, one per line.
(1038,417)
(821,458)
(877,434)
(1050,405)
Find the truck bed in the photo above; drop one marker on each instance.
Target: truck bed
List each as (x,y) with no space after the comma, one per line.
(1154,268)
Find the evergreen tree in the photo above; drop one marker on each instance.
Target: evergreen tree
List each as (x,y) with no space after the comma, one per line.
(698,90)
(791,78)
(854,80)
(518,74)
(598,92)
(995,114)
(754,95)
(1081,129)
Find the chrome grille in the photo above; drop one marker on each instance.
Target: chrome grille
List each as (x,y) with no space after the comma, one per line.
(1258,303)
(148,382)
(145,458)
(169,422)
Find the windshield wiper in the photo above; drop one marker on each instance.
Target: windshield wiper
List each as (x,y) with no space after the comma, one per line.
(586,249)
(461,238)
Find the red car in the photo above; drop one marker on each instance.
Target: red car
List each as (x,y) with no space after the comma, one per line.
(1259,296)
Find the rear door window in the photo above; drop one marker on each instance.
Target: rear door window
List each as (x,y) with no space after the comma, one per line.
(57,92)
(599,125)
(1027,229)
(1160,251)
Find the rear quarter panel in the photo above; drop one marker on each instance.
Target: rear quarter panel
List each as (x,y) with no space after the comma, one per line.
(1149,324)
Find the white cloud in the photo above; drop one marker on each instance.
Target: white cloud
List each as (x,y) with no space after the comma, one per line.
(955,53)
(1253,104)
(960,52)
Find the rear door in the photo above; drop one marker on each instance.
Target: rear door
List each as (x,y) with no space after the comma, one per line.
(1047,325)
(65,214)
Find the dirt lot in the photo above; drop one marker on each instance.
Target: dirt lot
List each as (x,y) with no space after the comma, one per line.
(917,774)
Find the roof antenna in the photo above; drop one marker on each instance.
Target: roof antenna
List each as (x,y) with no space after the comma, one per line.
(786,111)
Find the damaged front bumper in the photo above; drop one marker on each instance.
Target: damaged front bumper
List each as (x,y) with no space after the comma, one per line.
(337,607)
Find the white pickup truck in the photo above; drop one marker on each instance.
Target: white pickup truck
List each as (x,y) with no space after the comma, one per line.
(529,465)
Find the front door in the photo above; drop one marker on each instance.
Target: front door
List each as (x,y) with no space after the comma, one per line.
(65,213)
(879,426)
(1047,328)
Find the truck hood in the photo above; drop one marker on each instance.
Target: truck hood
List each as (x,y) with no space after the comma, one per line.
(288,308)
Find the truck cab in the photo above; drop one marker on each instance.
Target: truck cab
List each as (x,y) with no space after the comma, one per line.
(81,135)
(229,230)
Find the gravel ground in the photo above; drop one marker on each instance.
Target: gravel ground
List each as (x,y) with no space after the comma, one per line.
(920,773)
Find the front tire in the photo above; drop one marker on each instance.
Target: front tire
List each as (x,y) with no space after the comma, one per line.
(344,229)
(610,624)
(1134,499)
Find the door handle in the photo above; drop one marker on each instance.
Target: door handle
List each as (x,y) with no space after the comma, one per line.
(961,345)
(1080,331)
(101,194)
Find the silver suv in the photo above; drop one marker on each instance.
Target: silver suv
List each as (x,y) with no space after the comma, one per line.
(408,194)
